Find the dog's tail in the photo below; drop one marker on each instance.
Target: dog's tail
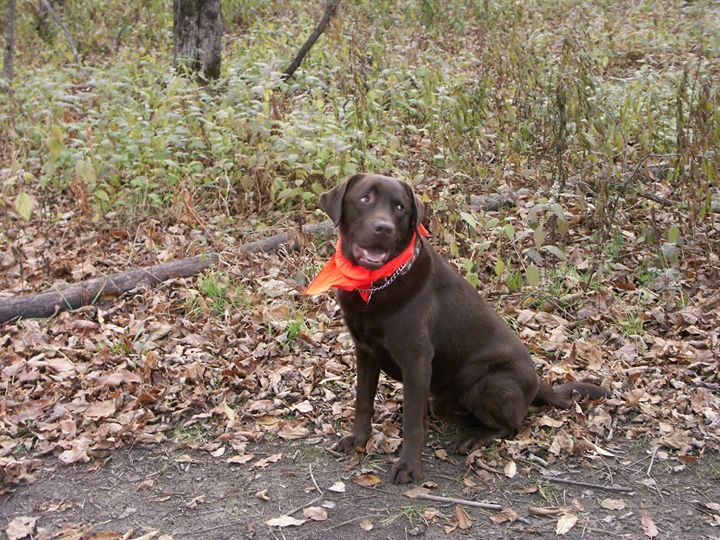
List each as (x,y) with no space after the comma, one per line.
(563,395)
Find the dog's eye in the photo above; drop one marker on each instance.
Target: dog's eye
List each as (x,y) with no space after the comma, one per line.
(365,199)
(399,207)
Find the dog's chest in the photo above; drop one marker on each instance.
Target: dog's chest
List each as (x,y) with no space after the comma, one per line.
(370,338)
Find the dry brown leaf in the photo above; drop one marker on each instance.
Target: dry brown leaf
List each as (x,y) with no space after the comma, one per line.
(565,523)
(413,493)
(285,521)
(100,409)
(337,487)
(648,525)
(315,513)
(462,517)
(21,527)
(366,525)
(506,514)
(195,501)
(613,504)
(239,460)
(367,480)
(263,463)
(262,495)
(510,469)
(547,510)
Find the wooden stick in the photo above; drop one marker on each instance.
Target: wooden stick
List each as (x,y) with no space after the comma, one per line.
(667,202)
(329,10)
(9,41)
(90,291)
(464,502)
(65,30)
(616,489)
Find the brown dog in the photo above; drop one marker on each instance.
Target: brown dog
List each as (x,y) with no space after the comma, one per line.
(426,326)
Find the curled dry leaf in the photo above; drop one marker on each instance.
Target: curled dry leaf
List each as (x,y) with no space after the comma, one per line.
(613,504)
(337,487)
(415,492)
(239,460)
(285,521)
(315,513)
(263,463)
(506,514)
(100,409)
(565,523)
(366,525)
(648,525)
(510,469)
(21,527)
(463,519)
(547,510)
(262,495)
(367,480)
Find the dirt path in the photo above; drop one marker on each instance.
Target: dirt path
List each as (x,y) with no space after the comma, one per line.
(159,490)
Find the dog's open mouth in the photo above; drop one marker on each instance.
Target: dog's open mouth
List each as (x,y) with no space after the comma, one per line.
(371,258)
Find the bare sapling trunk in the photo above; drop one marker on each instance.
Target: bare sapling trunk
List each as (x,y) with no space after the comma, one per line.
(9,41)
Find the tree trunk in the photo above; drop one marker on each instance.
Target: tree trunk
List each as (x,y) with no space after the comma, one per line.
(197,34)
(9,41)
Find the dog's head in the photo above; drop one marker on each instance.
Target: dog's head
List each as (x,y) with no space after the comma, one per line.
(376,215)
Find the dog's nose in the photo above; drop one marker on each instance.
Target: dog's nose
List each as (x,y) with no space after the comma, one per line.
(384,227)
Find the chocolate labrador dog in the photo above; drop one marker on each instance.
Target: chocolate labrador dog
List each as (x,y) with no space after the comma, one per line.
(426,326)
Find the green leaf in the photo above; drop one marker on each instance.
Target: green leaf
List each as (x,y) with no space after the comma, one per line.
(555,251)
(469,219)
(24,204)
(472,278)
(532,275)
(499,267)
(673,234)
(509,231)
(539,236)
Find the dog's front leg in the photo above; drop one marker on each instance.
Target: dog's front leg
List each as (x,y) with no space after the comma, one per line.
(416,372)
(368,373)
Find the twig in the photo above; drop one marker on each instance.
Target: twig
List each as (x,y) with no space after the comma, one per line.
(616,489)
(9,41)
(329,10)
(348,522)
(297,509)
(537,459)
(312,477)
(464,502)
(652,462)
(65,30)
(715,208)
(200,533)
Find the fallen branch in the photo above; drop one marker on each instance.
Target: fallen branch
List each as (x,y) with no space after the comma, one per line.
(90,291)
(616,489)
(58,21)
(464,502)
(715,208)
(330,8)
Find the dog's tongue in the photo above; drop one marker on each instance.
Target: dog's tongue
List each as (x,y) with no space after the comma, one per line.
(369,255)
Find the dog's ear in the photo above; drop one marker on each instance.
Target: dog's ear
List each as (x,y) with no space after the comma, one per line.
(418,208)
(332,201)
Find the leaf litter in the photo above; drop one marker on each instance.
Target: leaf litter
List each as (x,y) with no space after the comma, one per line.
(212,372)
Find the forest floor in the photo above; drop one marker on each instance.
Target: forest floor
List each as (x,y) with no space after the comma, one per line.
(208,406)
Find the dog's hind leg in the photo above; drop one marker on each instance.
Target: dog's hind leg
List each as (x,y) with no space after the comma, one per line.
(499,406)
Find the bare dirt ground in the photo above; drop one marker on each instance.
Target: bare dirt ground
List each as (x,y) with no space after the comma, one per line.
(160,490)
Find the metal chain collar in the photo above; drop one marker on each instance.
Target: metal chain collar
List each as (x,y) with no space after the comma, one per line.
(396,274)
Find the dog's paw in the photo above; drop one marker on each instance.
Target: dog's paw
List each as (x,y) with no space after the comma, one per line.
(471,443)
(352,443)
(406,470)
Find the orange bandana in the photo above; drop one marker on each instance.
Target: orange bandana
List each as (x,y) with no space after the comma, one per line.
(341,273)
